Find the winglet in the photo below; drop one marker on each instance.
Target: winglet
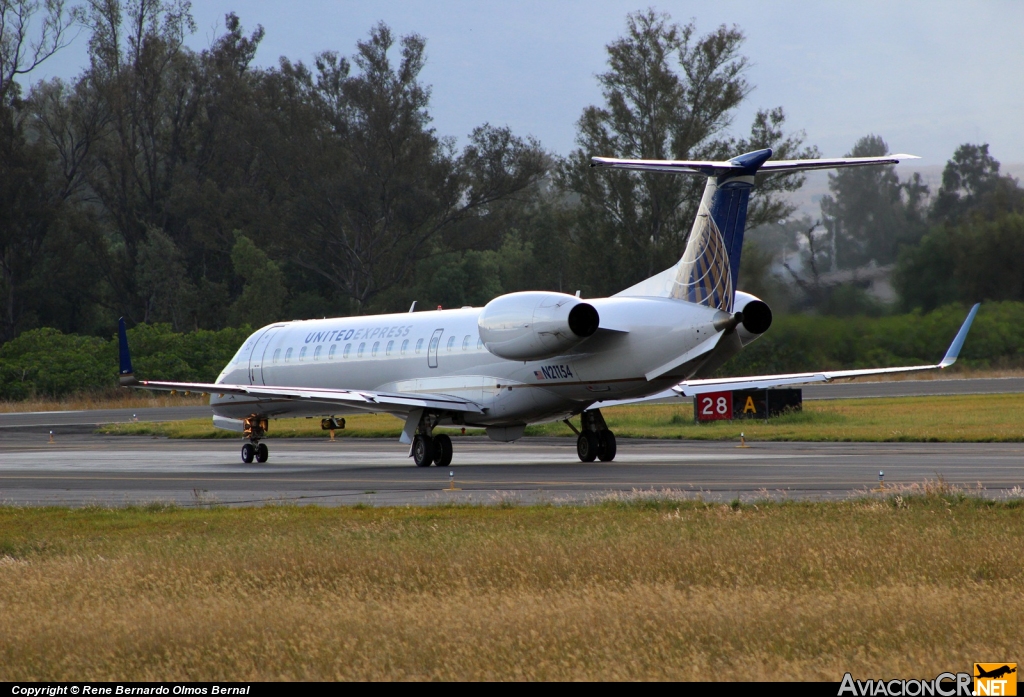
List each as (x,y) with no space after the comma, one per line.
(954,349)
(126,376)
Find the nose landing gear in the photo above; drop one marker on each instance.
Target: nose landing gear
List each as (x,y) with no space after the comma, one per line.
(254,428)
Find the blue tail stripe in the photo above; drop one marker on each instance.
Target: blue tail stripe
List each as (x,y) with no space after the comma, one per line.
(729,210)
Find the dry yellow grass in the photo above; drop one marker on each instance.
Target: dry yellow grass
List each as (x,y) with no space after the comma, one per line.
(120,399)
(657,590)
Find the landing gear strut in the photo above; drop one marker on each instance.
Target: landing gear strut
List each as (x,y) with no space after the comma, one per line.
(595,441)
(254,428)
(428,449)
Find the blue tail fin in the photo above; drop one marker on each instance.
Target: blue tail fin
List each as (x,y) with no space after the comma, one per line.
(126,376)
(710,266)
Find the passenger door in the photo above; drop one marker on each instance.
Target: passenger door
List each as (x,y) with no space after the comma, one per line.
(259,355)
(435,341)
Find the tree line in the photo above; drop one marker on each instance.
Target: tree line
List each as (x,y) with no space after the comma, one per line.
(962,244)
(194,188)
(197,191)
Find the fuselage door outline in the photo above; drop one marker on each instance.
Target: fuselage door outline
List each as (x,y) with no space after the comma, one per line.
(256,358)
(435,342)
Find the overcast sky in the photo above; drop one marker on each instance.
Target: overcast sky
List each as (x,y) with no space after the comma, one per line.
(926,76)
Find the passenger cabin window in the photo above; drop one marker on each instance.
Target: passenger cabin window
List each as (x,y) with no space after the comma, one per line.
(405,345)
(330,354)
(348,350)
(302,354)
(316,353)
(465,343)
(373,352)
(419,345)
(451,342)
(359,352)
(277,354)
(391,345)
(288,356)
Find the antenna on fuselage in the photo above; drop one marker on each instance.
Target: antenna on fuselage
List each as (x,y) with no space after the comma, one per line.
(412,308)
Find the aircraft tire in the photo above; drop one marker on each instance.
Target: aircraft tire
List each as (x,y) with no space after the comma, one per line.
(605,446)
(262,453)
(248,453)
(423,451)
(586,446)
(442,450)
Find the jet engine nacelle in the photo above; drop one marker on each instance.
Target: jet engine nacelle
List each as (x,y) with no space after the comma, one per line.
(532,325)
(757,316)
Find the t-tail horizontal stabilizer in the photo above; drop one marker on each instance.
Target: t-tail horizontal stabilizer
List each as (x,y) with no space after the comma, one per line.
(708,272)
(740,165)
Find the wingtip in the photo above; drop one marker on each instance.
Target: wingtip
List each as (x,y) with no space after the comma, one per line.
(954,349)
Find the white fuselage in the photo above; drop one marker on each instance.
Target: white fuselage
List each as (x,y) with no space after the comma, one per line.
(440,352)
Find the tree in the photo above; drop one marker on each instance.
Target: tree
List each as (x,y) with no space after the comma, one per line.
(28,198)
(669,94)
(870,213)
(26,41)
(262,298)
(974,248)
(370,189)
(972,185)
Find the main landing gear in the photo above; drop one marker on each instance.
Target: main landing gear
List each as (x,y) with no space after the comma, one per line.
(596,441)
(432,450)
(428,449)
(254,428)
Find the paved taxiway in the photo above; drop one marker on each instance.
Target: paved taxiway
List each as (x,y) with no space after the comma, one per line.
(83,468)
(88,469)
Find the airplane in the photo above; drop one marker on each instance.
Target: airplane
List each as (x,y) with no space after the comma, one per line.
(995,672)
(527,357)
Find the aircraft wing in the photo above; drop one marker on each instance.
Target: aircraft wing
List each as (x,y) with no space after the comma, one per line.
(368,400)
(690,388)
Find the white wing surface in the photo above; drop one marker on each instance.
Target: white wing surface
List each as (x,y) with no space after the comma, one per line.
(394,402)
(690,388)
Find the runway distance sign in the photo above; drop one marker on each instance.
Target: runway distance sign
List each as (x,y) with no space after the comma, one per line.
(746,404)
